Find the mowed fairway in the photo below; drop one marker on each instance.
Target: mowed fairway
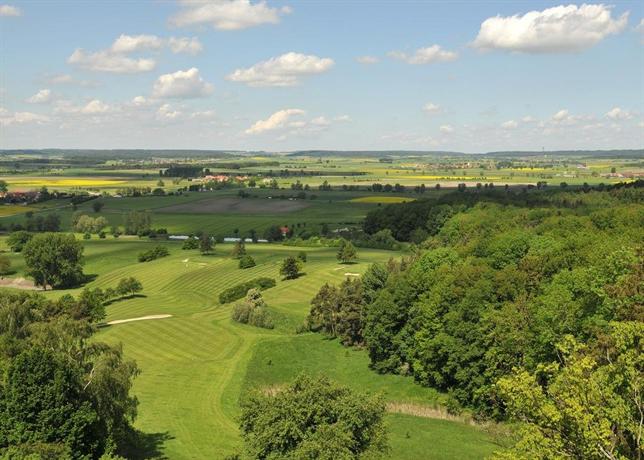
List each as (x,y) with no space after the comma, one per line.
(196,363)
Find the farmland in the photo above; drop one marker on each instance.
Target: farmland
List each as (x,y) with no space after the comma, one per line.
(458,249)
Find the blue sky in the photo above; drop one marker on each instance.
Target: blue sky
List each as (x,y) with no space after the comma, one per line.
(284,75)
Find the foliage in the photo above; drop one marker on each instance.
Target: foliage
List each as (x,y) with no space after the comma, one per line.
(129,287)
(97,206)
(313,418)
(253,310)
(54,260)
(346,252)
(152,254)
(5,265)
(588,405)
(87,224)
(290,268)
(17,240)
(239,250)
(246,262)
(61,395)
(191,243)
(206,245)
(238,291)
(137,222)
(302,256)
(338,312)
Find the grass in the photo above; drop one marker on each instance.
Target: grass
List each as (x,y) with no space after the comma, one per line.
(381,199)
(10,210)
(196,364)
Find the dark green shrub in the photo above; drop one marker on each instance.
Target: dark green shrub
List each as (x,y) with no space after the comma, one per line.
(238,291)
(246,262)
(154,253)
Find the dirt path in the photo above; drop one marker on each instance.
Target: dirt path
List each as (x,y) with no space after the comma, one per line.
(140,318)
(19,283)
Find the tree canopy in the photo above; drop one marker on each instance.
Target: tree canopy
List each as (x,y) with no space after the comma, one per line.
(54,259)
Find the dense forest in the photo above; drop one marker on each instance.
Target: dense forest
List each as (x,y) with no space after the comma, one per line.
(527,307)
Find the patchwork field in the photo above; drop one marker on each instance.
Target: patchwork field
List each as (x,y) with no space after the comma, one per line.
(196,363)
(236,205)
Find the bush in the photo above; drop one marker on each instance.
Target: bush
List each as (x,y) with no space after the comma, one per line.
(154,253)
(246,262)
(17,240)
(238,291)
(253,310)
(302,256)
(191,243)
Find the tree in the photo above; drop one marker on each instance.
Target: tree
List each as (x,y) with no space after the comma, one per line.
(5,265)
(290,268)
(137,222)
(253,310)
(587,406)
(44,402)
(273,233)
(97,206)
(54,260)
(313,418)
(3,186)
(239,250)
(346,252)
(129,287)
(246,262)
(205,243)
(18,240)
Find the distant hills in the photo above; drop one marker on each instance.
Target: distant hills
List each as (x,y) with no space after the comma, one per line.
(192,153)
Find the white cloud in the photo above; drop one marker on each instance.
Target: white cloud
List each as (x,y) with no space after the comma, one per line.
(94,107)
(446,129)
(167,113)
(139,101)
(561,115)
(107,61)
(426,55)
(183,84)
(342,118)
(227,14)
(9,10)
(617,113)
(368,60)
(116,59)
(185,45)
(132,43)
(284,70)
(41,97)
(20,118)
(528,119)
(279,119)
(510,124)
(430,107)
(559,29)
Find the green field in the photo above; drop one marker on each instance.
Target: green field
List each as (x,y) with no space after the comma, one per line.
(196,363)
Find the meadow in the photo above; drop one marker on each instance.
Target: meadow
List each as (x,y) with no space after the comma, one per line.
(196,363)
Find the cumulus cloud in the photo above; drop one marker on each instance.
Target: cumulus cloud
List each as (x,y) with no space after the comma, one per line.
(510,124)
(167,113)
(41,97)
(426,55)
(183,84)
(617,113)
(9,10)
(446,129)
(367,60)
(284,70)
(116,58)
(430,107)
(185,45)
(278,120)
(227,14)
(20,118)
(553,30)
(106,61)
(93,107)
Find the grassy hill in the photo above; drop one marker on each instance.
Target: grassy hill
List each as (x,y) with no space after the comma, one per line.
(196,363)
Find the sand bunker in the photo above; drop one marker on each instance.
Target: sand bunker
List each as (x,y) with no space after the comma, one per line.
(140,318)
